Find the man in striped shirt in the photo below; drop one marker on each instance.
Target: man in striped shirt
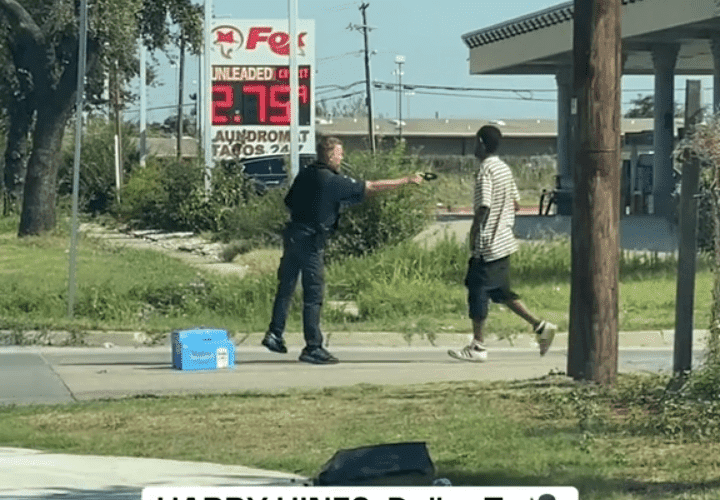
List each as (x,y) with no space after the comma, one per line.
(491,243)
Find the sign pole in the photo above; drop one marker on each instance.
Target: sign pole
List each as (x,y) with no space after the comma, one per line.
(79,102)
(687,249)
(294,108)
(206,96)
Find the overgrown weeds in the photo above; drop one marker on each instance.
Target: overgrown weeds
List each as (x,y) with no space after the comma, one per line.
(638,405)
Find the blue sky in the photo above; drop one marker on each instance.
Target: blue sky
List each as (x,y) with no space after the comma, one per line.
(428,34)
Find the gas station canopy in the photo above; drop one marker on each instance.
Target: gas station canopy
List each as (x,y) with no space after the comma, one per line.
(541,43)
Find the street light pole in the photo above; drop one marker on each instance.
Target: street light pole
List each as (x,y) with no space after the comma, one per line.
(400,60)
(181,90)
(408,95)
(175,64)
(143,104)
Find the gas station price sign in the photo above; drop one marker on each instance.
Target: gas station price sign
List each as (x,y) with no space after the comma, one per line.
(250,88)
(258,95)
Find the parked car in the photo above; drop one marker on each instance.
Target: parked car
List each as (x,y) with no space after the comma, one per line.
(269,171)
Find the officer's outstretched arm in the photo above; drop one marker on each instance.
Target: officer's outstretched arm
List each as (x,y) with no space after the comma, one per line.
(373,187)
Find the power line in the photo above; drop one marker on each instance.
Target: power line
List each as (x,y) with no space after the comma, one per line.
(344,96)
(339,56)
(412,86)
(515,98)
(330,88)
(158,108)
(493,97)
(341,7)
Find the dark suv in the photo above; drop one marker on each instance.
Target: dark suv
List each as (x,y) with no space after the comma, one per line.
(269,171)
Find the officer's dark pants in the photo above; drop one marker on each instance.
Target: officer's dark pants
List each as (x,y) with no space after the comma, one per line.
(303,253)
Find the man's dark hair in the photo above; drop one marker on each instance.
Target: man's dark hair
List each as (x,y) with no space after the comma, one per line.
(325,147)
(490,137)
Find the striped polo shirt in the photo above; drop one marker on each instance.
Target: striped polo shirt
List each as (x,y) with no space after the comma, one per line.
(495,188)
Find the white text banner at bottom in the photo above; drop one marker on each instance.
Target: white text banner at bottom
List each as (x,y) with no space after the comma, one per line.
(361,493)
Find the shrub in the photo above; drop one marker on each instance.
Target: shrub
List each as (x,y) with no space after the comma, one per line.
(243,212)
(189,208)
(170,195)
(383,220)
(706,221)
(97,186)
(386,219)
(145,201)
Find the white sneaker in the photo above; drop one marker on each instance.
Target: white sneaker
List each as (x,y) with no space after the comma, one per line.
(545,333)
(474,353)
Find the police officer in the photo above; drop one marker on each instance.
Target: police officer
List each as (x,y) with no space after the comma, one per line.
(314,201)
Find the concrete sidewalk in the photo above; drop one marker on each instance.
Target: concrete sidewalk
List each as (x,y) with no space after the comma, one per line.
(117,365)
(31,474)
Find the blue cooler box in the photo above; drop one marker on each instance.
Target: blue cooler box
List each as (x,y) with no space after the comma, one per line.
(202,350)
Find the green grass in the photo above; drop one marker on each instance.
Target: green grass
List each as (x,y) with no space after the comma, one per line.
(415,290)
(546,431)
(407,288)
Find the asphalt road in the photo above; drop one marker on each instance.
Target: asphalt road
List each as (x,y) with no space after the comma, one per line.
(64,375)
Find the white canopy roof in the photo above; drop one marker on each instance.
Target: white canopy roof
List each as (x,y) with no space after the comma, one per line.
(541,43)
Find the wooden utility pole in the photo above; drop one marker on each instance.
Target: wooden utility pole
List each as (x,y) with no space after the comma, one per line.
(368,83)
(593,342)
(687,251)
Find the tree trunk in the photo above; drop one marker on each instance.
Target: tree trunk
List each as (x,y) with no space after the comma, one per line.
(55,103)
(38,212)
(16,153)
(26,48)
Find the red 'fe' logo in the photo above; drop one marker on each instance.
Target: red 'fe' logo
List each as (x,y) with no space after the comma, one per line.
(279,42)
(228,40)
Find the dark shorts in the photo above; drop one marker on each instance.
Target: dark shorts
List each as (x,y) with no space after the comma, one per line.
(487,281)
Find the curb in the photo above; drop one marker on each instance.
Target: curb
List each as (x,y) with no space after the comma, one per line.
(663,339)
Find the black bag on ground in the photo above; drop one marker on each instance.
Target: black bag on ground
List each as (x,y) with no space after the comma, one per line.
(397,464)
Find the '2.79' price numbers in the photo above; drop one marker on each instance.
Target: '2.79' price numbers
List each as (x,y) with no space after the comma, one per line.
(260,102)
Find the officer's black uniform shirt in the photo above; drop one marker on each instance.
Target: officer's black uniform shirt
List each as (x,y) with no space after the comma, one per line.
(317,195)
